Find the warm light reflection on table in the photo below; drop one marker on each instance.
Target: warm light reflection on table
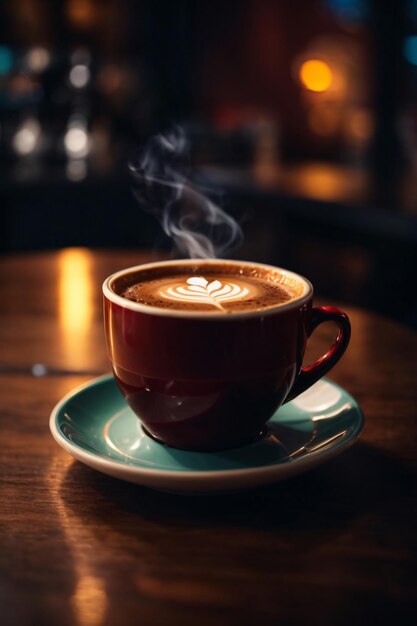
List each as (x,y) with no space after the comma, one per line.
(89,600)
(75,301)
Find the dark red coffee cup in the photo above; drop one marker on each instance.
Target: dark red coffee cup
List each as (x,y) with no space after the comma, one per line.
(209,381)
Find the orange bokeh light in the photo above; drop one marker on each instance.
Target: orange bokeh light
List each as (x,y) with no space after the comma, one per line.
(315,75)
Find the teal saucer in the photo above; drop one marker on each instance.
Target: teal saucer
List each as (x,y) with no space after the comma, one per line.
(94,424)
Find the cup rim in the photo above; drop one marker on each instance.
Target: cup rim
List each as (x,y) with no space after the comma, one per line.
(153,310)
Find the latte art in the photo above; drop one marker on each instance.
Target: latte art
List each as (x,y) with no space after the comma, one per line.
(199,289)
(213,287)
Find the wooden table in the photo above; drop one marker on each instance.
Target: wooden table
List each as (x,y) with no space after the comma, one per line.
(335,546)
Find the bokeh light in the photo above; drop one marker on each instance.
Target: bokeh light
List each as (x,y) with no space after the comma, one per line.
(6,60)
(315,75)
(77,142)
(38,59)
(79,76)
(27,136)
(410,49)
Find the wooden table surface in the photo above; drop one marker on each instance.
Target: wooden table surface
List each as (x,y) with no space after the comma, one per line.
(334,546)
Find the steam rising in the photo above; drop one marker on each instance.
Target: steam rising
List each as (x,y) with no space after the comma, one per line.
(198,227)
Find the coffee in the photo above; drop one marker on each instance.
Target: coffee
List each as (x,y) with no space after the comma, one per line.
(205,286)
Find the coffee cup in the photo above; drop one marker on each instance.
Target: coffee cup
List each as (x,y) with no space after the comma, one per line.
(206,351)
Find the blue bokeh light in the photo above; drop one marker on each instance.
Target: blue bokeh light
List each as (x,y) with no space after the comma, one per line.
(350,10)
(6,60)
(410,49)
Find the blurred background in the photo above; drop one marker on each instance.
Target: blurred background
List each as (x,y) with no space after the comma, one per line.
(301,113)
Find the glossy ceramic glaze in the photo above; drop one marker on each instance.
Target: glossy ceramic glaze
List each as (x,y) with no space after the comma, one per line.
(209,381)
(94,424)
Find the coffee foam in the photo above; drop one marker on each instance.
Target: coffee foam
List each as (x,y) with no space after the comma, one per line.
(209,287)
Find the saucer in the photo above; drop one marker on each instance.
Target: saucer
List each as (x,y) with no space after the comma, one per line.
(94,424)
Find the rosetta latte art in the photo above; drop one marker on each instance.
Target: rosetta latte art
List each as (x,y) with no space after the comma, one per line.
(198,289)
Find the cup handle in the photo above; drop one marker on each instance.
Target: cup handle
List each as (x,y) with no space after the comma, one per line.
(310,374)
